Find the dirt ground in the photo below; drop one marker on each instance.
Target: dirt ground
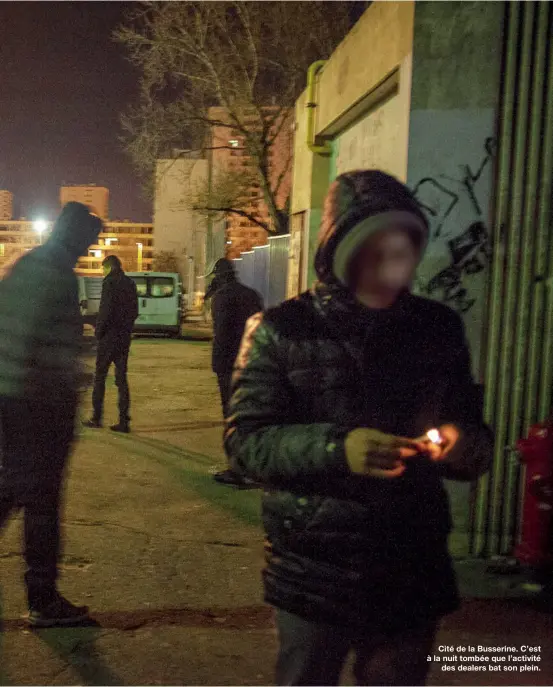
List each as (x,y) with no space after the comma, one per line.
(169,561)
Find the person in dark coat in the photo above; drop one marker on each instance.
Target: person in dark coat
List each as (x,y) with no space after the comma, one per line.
(333,395)
(232,304)
(40,377)
(116,317)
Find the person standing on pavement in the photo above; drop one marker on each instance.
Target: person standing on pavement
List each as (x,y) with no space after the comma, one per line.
(232,304)
(333,394)
(116,317)
(40,376)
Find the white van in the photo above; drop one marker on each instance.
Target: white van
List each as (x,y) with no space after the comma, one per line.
(160,302)
(90,293)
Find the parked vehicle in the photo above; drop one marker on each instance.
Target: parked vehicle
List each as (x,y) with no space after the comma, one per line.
(90,292)
(160,302)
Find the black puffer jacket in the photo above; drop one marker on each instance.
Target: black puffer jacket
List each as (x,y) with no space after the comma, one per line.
(341,548)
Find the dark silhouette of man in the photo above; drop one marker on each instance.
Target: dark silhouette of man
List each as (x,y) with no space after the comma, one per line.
(40,378)
(232,304)
(116,317)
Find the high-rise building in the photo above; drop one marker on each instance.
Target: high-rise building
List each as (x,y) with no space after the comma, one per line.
(231,158)
(96,197)
(131,241)
(6,205)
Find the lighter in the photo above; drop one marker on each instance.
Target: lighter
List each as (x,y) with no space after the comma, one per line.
(435,437)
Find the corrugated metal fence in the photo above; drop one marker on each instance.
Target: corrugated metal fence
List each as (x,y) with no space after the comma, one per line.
(519,354)
(265,269)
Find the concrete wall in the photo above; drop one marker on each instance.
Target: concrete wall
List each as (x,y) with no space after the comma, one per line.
(372,50)
(455,92)
(414,89)
(454,100)
(362,108)
(380,139)
(177,228)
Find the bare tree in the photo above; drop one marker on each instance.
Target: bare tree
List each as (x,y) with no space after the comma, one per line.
(233,65)
(228,192)
(165,261)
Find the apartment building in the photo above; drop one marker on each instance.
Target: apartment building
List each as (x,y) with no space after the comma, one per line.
(96,197)
(132,242)
(6,205)
(230,155)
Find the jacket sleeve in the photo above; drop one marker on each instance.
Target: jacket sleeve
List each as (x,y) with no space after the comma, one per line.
(261,438)
(463,406)
(105,309)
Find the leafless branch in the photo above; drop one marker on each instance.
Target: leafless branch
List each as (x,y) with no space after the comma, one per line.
(247,59)
(241,213)
(285,170)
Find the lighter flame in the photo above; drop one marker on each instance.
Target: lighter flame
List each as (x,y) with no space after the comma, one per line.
(434,436)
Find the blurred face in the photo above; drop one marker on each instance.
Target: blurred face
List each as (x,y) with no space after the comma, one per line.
(106,269)
(385,265)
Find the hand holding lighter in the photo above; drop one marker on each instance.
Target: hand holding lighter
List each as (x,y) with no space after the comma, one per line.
(435,437)
(435,444)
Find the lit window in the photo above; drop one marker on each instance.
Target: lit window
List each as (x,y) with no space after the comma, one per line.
(233,143)
(162,287)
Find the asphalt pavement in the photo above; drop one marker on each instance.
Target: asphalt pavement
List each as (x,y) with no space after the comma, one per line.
(169,561)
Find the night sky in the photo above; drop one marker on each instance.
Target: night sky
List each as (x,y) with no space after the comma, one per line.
(63,85)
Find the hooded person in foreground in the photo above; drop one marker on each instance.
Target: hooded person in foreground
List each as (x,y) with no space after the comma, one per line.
(333,394)
(40,377)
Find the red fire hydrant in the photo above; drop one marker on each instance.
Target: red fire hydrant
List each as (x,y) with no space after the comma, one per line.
(536,452)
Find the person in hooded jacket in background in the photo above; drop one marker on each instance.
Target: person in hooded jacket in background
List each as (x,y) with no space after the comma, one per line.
(333,395)
(40,377)
(232,303)
(116,317)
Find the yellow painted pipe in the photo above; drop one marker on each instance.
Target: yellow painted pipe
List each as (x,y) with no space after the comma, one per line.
(312,72)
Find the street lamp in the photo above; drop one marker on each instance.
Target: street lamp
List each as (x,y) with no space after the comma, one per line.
(140,247)
(40,226)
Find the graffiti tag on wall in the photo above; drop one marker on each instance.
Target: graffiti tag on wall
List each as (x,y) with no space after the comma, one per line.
(469,252)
